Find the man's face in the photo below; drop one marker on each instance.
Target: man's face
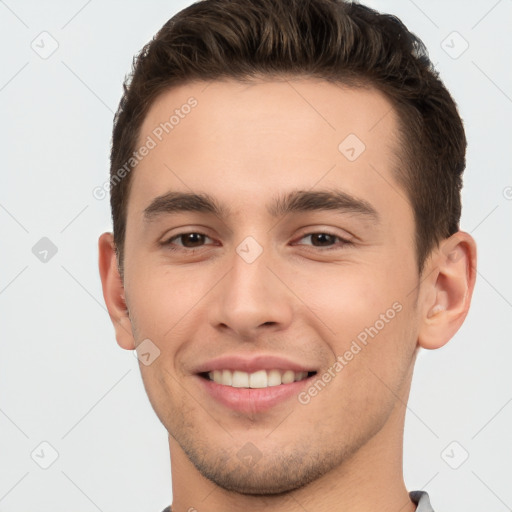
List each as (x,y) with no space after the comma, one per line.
(260,289)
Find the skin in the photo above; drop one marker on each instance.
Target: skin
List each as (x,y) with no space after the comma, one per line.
(243,144)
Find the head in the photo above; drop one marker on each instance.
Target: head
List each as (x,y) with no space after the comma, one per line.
(292,117)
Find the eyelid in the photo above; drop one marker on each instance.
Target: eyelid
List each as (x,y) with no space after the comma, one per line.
(169,240)
(342,240)
(345,235)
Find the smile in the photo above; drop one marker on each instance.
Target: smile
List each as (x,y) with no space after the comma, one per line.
(258,379)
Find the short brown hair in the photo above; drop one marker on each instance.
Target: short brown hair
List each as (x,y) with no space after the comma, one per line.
(335,40)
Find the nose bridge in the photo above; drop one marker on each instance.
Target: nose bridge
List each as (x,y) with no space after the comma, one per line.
(250,295)
(250,267)
(249,277)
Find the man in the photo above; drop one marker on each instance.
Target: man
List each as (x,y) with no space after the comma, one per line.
(285,192)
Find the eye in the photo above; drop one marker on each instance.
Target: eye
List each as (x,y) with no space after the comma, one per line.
(325,239)
(191,240)
(195,240)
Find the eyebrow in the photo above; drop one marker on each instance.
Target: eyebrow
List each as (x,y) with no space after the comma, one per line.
(296,201)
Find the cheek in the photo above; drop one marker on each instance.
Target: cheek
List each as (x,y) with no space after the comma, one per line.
(346,299)
(162,301)
(368,322)
(169,401)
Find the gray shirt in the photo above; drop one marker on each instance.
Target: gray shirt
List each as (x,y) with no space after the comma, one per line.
(420,498)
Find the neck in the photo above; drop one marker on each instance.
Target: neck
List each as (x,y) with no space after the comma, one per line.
(371,478)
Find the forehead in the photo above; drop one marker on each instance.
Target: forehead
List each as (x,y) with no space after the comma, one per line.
(242,141)
(322,110)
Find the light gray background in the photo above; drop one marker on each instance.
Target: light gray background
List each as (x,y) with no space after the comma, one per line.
(64,380)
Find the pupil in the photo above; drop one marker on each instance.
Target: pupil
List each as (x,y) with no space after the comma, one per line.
(327,239)
(189,239)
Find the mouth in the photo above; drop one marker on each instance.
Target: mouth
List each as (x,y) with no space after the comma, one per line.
(255,380)
(256,392)
(250,383)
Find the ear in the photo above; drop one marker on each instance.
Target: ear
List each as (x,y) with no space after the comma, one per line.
(447,290)
(113,291)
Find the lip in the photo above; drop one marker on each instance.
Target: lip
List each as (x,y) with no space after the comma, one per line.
(251,363)
(252,400)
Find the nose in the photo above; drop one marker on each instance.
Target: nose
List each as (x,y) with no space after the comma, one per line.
(252,297)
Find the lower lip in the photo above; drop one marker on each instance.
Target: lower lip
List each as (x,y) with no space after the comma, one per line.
(253,400)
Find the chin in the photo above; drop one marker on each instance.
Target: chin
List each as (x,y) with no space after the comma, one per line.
(261,482)
(271,475)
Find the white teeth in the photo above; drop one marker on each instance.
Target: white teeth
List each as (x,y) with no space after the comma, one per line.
(274,378)
(288,377)
(240,379)
(258,379)
(227,378)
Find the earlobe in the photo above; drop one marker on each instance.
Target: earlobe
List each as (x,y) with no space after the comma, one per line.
(447,290)
(113,292)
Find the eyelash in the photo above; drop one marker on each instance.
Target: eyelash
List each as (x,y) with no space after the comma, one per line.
(169,243)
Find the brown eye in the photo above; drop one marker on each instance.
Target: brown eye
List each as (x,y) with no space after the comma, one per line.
(327,240)
(185,241)
(192,239)
(322,239)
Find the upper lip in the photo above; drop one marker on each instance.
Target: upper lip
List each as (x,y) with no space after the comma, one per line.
(251,363)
